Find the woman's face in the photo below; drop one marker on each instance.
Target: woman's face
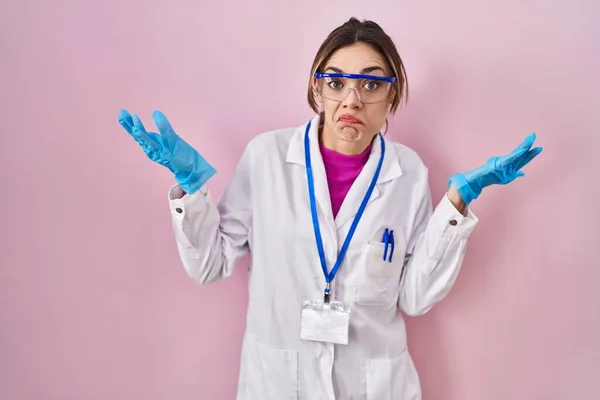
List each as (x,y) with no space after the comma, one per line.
(349,124)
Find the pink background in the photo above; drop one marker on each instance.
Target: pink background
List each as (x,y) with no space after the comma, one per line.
(94,303)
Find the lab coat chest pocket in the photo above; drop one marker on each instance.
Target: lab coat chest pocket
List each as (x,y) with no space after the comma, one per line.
(268,373)
(380,267)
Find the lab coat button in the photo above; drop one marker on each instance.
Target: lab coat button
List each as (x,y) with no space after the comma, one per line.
(179,210)
(453,222)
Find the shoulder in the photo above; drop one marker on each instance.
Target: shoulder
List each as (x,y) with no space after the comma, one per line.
(410,161)
(272,142)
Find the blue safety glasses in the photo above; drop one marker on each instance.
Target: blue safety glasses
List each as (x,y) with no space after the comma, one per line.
(368,88)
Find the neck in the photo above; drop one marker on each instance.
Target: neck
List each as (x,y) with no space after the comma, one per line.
(342,146)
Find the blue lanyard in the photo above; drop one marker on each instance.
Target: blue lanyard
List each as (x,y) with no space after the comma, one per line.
(313,207)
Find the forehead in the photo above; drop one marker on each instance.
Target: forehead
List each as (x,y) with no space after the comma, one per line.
(355,58)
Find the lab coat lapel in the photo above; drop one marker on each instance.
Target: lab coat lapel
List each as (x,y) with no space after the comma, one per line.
(390,169)
(319,173)
(296,155)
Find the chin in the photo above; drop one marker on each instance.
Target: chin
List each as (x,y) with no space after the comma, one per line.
(350,133)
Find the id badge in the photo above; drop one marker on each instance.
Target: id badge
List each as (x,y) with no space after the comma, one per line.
(325,322)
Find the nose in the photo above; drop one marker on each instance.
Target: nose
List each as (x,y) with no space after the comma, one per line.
(352,99)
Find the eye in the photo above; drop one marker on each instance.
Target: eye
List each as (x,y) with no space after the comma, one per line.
(336,85)
(371,85)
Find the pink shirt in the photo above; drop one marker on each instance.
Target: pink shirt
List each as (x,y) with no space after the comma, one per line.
(341,172)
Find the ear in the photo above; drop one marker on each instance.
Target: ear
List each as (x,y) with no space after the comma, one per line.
(392,95)
(316,93)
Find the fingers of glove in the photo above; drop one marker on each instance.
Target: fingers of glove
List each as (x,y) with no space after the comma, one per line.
(139,131)
(153,146)
(506,176)
(511,160)
(526,143)
(165,128)
(126,121)
(143,137)
(138,126)
(529,156)
(514,158)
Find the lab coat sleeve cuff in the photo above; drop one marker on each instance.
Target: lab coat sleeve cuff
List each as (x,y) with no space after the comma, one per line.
(181,203)
(451,222)
(447,228)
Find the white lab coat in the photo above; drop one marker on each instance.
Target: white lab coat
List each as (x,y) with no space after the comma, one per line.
(265,209)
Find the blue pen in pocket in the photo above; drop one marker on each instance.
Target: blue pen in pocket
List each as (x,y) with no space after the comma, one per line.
(385,240)
(388,240)
(391,239)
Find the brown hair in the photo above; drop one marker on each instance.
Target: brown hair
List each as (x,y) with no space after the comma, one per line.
(368,32)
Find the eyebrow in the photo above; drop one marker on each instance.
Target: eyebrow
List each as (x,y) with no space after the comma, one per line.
(364,71)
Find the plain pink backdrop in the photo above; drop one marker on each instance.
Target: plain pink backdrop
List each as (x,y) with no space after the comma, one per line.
(94,303)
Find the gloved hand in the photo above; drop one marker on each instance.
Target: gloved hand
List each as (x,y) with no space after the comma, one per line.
(168,149)
(496,171)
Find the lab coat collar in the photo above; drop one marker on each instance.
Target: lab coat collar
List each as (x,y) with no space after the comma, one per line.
(389,170)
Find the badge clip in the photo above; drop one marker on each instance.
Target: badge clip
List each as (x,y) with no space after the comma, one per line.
(327,295)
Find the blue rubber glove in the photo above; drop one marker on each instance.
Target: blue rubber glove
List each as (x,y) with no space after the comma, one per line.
(168,149)
(496,171)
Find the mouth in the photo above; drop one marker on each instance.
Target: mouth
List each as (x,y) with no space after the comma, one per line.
(349,119)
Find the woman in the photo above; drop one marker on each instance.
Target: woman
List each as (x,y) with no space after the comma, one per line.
(340,226)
